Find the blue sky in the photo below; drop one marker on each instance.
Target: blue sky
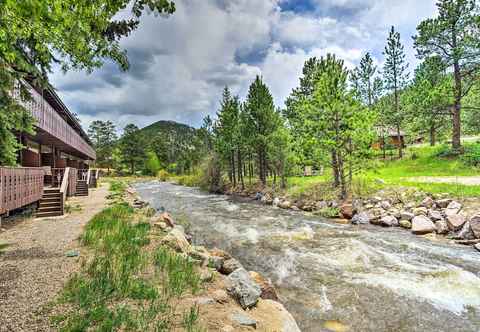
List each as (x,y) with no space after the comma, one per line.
(180,64)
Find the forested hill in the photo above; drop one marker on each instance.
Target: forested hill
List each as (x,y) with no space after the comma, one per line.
(176,145)
(167,127)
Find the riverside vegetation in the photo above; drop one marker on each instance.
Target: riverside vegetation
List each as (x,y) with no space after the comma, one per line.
(139,272)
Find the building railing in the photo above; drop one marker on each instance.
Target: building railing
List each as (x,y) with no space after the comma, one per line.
(19,187)
(49,120)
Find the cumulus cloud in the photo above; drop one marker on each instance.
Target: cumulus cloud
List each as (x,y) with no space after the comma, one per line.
(179,65)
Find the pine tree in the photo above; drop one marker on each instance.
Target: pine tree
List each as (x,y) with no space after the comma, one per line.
(395,79)
(454,36)
(364,77)
(261,120)
(104,137)
(132,147)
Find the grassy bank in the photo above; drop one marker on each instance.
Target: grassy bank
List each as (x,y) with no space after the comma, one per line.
(128,281)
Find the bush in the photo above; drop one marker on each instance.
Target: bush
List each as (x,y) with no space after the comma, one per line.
(163,175)
(471,156)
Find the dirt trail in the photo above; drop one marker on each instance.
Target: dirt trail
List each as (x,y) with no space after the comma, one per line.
(34,266)
(464,180)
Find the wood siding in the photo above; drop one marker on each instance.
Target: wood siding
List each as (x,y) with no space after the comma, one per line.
(19,187)
(53,123)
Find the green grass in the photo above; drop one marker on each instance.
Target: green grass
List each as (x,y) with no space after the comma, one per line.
(419,161)
(112,291)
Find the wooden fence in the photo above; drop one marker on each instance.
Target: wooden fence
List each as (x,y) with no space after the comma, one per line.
(19,187)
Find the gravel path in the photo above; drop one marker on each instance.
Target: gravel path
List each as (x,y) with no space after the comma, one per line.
(34,267)
(465,180)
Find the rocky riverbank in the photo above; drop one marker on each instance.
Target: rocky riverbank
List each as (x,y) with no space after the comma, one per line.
(233,299)
(438,217)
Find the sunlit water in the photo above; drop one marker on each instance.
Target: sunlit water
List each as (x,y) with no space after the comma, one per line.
(364,277)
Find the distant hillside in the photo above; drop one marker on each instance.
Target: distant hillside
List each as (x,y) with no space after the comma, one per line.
(163,127)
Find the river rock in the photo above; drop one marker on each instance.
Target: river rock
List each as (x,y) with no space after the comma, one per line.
(453,208)
(435,215)
(230,265)
(395,212)
(177,241)
(166,218)
(466,232)
(288,323)
(243,319)
(443,203)
(160,225)
(346,211)
(477,246)
(405,215)
(241,286)
(204,301)
(389,221)
(268,290)
(220,296)
(405,224)
(285,205)
(216,262)
(475,225)
(206,275)
(456,221)
(385,205)
(276,201)
(420,211)
(442,227)
(361,218)
(422,225)
(428,202)
(220,253)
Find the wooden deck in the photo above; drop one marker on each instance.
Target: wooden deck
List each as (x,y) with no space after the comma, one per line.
(19,187)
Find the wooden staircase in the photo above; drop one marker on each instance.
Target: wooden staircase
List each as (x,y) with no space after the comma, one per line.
(50,204)
(82,188)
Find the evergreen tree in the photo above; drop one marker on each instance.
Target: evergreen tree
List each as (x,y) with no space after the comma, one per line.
(364,80)
(103,136)
(395,79)
(261,120)
(454,36)
(338,124)
(132,147)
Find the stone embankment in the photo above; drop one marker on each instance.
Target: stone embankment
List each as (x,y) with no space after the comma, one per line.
(234,299)
(420,213)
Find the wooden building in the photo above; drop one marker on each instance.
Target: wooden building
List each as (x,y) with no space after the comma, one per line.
(54,163)
(390,137)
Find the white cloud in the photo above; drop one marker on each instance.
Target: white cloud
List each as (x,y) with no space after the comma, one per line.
(179,65)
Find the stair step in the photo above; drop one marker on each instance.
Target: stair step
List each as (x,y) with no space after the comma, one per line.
(50,209)
(50,191)
(48,214)
(44,204)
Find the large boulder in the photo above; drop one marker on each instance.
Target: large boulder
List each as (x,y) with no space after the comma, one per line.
(241,286)
(453,208)
(456,221)
(475,225)
(176,240)
(243,319)
(389,221)
(280,314)
(166,218)
(477,246)
(422,225)
(230,265)
(361,218)
(435,215)
(268,290)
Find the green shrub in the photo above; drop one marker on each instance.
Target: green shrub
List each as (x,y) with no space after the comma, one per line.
(163,175)
(471,156)
(328,212)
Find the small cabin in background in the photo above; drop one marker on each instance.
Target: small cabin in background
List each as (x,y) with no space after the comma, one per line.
(54,163)
(389,136)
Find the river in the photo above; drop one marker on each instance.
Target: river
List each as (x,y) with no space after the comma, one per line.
(364,278)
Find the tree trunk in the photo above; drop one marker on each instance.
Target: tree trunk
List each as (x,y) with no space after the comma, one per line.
(456,114)
(234,176)
(433,138)
(240,168)
(341,175)
(400,142)
(336,174)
